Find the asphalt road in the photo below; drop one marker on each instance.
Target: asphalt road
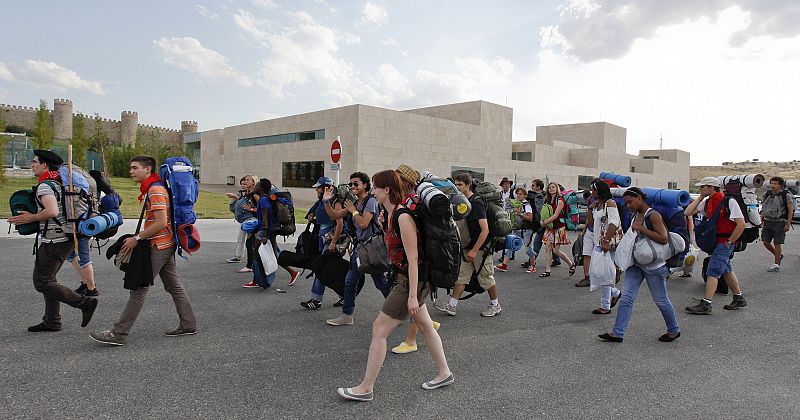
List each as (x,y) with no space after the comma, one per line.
(258,354)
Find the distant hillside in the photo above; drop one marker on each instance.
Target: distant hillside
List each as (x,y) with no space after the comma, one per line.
(787,170)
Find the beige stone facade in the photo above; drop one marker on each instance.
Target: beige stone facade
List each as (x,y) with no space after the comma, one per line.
(473,136)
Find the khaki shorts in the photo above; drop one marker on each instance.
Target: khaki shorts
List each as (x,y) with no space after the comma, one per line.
(396,304)
(485,273)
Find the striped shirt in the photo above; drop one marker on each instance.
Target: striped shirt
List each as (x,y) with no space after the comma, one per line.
(158,199)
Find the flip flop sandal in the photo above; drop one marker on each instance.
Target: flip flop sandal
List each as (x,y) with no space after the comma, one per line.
(572,269)
(545,274)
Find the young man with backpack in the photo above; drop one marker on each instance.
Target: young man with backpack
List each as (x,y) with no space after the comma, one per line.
(729,227)
(364,218)
(56,242)
(776,217)
(158,234)
(477,246)
(522,226)
(319,215)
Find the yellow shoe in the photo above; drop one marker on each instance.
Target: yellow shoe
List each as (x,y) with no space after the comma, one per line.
(436,325)
(404,348)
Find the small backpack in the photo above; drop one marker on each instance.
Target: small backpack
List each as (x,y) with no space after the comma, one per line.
(177,174)
(283,209)
(499,219)
(24,200)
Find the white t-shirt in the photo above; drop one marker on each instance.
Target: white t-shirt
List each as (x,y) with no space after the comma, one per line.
(735,211)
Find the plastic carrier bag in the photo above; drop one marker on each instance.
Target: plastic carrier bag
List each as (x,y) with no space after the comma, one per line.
(602,271)
(268,258)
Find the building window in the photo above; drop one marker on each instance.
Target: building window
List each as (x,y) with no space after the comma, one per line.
(649,157)
(672,185)
(584,182)
(192,138)
(523,156)
(475,173)
(301,174)
(282,138)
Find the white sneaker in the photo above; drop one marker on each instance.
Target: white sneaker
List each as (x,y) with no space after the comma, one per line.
(492,310)
(774,269)
(343,319)
(445,307)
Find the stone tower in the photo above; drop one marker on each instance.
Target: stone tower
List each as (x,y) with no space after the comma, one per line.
(188,127)
(129,124)
(62,119)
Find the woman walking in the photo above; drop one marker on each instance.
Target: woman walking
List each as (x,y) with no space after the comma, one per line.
(648,223)
(605,220)
(556,234)
(407,296)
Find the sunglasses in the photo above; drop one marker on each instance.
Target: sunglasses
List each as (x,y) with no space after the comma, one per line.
(354,184)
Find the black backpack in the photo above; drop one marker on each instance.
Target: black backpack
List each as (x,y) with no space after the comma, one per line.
(440,253)
(733,193)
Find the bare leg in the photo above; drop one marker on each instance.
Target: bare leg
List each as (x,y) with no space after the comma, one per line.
(434,342)
(381,328)
(86,273)
(777,254)
(493,292)
(548,257)
(411,336)
(458,290)
(769,247)
(563,256)
(733,282)
(586,261)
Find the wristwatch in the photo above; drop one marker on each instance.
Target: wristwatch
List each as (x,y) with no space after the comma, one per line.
(137,237)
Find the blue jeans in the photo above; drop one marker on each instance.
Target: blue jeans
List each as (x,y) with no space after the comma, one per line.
(317,288)
(719,262)
(83,252)
(351,285)
(525,234)
(536,246)
(657,283)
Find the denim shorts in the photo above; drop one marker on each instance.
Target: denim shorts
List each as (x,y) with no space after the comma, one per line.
(83,252)
(719,261)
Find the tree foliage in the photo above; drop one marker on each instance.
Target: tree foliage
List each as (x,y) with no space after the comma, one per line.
(3,140)
(80,141)
(42,130)
(100,142)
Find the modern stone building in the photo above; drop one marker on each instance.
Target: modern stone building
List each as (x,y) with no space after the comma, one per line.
(475,136)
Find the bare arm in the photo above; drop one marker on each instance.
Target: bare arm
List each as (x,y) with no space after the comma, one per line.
(484,224)
(659,233)
(737,231)
(408,234)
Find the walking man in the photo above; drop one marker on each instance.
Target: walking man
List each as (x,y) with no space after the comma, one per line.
(56,242)
(776,219)
(158,232)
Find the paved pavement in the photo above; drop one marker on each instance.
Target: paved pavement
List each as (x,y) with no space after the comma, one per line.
(258,354)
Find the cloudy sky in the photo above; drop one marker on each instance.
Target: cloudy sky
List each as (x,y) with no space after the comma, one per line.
(718,78)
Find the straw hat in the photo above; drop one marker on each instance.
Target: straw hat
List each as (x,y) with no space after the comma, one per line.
(407,173)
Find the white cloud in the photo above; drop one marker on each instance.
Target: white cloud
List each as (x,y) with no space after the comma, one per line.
(250,25)
(204,12)
(46,73)
(374,15)
(473,78)
(266,4)
(716,100)
(189,54)
(5,73)
(391,42)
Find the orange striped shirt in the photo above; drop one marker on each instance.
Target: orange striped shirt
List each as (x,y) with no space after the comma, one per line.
(158,199)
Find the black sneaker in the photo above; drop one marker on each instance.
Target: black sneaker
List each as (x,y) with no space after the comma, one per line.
(311,304)
(339,303)
(42,328)
(81,290)
(701,308)
(88,309)
(738,302)
(526,264)
(90,293)
(555,264)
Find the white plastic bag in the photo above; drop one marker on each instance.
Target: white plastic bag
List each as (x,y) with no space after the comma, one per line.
(602,271)
(268,259)
(623,257)
(691,257)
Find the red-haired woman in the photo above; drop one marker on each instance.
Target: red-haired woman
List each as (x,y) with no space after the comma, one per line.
(408,292)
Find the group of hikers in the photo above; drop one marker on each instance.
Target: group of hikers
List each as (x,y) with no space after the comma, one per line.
(387,206)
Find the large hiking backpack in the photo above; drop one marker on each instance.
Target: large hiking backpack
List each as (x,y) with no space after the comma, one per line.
(735,193)
(675,222)
(177,174)
(570,215)
(440,252)
(499,219)
(283,209)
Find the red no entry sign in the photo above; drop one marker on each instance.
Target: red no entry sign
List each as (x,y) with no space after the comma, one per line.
(336,151)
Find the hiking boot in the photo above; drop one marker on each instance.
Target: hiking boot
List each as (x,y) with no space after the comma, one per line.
(177,332)
(87,310)
(311,304)
(294,278)
(492,311)
(108,337)
(81,289)
(234,260)
(583,283)
(738,302)
(339,303)
(701,308)
(445,307)
(774,269)
(501,267)
(41,327)
(343,319)
(251,284)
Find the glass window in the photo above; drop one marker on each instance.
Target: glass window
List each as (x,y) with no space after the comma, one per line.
(523,156)
(584,182)
(672,185)
(276,138)
(301,174)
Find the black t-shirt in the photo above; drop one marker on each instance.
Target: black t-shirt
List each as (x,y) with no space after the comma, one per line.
(478,212)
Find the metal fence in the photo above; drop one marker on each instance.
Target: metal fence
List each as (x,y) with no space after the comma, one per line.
(18,154)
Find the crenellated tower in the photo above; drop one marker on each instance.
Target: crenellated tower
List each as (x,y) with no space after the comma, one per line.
(62,119)
(129,123)
(188,127)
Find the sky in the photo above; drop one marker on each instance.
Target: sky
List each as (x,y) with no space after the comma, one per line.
(717,78)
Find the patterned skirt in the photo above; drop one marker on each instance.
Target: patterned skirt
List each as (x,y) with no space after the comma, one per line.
(556,236)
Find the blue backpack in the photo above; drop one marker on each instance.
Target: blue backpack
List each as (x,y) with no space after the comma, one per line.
(705,232)
(177,173)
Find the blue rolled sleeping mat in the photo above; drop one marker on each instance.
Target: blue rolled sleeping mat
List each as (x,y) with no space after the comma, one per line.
(513,243)
(621,180)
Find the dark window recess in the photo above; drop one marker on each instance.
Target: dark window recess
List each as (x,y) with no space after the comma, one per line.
(523,156)
(475,173)
(282,138)
(301,174)
(649,157)
(584,182)
(672,185)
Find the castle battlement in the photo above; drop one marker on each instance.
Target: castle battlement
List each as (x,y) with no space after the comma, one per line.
(130,113)
(62,101)
(18,108)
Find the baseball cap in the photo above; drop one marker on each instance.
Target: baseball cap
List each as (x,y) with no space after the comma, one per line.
(709,180)
(323,180)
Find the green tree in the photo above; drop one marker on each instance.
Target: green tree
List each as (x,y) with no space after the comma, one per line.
(100,141)
(138,144)
(3,140)
(80,141)
(42,130)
